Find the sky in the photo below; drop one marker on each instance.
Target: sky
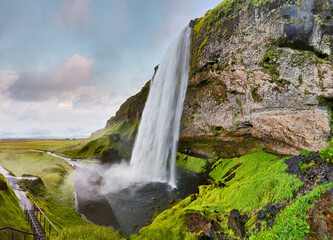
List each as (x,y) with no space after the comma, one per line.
(67,65)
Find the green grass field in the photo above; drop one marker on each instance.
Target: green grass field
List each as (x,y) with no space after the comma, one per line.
(11,214)
(57,199)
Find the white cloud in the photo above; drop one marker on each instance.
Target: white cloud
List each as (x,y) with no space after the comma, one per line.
(68,75)
(75,113)
(6,79)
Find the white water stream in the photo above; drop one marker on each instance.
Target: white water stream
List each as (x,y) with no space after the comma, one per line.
(154,153)
(21,194)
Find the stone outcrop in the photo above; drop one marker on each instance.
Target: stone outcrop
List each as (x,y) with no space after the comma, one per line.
(262,68)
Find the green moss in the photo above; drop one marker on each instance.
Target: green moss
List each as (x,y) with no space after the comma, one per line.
(35,186)
(88,232)
(291,223)
(251,188)
(118,137)
(300,81)
(327,154)
(304,166)
(305,153)
(270,61)
(302,58)
(255,95)
(11,214)
(197,165)
(318,19)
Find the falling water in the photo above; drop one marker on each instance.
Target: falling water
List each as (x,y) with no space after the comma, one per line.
(154,150)
(154,154)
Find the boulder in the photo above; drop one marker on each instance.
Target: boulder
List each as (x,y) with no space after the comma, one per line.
(236,223)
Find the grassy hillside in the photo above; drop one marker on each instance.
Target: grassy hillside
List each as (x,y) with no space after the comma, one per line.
(11,214)
(249,184)
(54,193)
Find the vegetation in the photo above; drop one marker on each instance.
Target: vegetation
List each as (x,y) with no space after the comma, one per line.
(117,137)
(53,191)
(11,214)
(250,188)
(291,223)
(88,232)
(327,153)
(197,165)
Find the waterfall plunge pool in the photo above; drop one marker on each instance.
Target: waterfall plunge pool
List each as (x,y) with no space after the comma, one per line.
(131,208)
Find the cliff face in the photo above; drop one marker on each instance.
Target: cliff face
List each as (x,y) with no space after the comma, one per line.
(132,109)
(262,68)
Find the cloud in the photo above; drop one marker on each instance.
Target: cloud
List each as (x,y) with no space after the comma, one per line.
(69,74)
(6,79)
(75,13)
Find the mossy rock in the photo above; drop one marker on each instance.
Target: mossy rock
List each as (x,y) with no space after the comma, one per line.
(35,186)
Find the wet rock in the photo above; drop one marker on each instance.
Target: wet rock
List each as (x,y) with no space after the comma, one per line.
(236,223)
(114,137)
(195,222)
(261,215)
(258,226)
(203,236)
(272,209)
(320,217)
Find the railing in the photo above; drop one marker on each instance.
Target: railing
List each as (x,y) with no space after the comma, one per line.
(44,221)
(34,226)
(16,234)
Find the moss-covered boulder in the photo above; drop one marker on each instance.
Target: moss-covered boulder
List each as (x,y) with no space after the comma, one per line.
(35,186)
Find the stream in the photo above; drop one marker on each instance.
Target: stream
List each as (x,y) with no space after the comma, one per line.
(21,194)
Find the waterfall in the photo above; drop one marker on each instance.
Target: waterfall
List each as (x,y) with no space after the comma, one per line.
(156,142)
(154,153)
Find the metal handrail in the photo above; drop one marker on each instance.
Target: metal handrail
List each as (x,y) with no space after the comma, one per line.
(20,231)
(51,224)
(35,228)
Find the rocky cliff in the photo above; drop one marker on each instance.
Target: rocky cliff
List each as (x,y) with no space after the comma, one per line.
(262,69)
(261,75)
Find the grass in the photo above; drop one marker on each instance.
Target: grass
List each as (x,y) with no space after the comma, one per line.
(327,153)
(11,214)
(56,197)
(291,223)
(115,137)
(40,144)
(88,232)
(259,181)
(197,165)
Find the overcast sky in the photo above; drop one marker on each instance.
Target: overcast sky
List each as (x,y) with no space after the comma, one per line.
(67,65)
